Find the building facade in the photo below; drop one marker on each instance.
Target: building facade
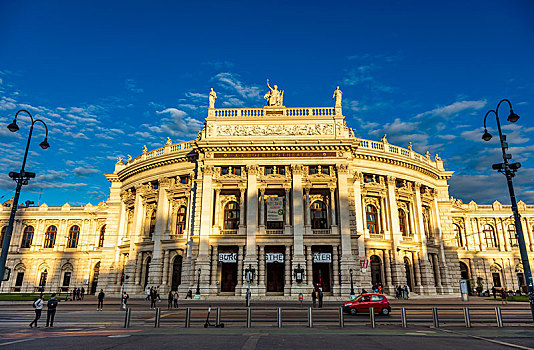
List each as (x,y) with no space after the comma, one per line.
(273,199)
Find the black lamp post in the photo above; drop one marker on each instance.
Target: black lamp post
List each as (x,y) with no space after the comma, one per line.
(508,170)
(351,283)
(21,178)
(198,283)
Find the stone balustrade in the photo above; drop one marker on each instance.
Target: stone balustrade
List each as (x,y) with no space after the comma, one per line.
(175,148)
(260,112)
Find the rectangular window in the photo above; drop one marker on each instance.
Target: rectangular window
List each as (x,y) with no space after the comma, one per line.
(184,180)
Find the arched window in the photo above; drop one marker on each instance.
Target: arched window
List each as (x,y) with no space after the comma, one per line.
(402,222)
(231,216)
(512,236)
(458,235)
(319,216)
(27,237)
(42,278)
(490,237)
(2,235)
(371,215)
(180,220)
(102,236)
(50,236)
(152,226)
(74,234)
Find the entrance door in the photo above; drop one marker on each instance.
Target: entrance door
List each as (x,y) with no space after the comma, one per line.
(228,277)
(275,277)
(94,282)
(147,270)
(376,274)
(321,276)
(408,269)
(176,272)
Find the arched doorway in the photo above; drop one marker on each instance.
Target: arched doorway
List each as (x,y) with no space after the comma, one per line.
(408,268)
(496,276)
(176,272)
(376,268)
(464,271)
(94,282)
(147,269)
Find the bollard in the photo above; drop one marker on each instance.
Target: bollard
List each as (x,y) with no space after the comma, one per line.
(187,317)
(372,317)
(127,317)
(156,320)
(310,318)
(341,317)
(435,317)
(403,318)
(218,317)
(249,321)
(279,317)
(499,316)
(467,317)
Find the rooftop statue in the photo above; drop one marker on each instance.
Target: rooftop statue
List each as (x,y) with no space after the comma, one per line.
(213,97)
(337,95)
(274,97)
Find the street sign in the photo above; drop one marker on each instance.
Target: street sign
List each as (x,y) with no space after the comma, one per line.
(7,273)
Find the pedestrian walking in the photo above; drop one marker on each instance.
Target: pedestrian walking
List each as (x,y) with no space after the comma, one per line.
(189,294)
(175,299)
(494,292)
(82,293)
(314,298)
(380,288)
(74,294)
(170,299)
(153,299)
(406,291)
(320,298)
(148,291)
(101,296)
(38,307)
(51,310)
(503,297)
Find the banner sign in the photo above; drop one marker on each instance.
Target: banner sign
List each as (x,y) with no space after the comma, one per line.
(228,257)
(322,257)
(274,257)
(275,208)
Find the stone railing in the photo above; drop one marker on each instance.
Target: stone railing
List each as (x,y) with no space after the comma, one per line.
(386,147)
(177,147)
(321,231)
(260,112)
(275,231)
(228,232)
(376,236)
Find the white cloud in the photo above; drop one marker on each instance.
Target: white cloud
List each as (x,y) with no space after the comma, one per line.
(452,109)
(231,81)
(131,86)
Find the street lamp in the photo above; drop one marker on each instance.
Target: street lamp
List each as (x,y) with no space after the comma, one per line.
(509,170)
(351,284)
(21,178)
(198,283)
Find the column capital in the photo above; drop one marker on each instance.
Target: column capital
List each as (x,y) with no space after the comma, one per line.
(297,169)
(218,191)
(287,189)
(242,190)
(417,186)
(252,169)
(262,190)
(358,176)
(342,168)
(391,180)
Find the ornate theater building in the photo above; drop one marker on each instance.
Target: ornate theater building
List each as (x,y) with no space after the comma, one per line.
(274,199)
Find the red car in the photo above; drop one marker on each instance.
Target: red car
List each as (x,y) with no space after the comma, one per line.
(364,302)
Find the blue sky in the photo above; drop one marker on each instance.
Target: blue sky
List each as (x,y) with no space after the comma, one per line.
(109,77)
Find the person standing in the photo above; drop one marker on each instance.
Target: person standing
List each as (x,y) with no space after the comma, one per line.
(175,298)
(100,304)
(38,306)
(82,293)
(74,294)
(51,311)
(314,298)
(320,298)
(153,298)
(170,299)
(406,292)
(503,297)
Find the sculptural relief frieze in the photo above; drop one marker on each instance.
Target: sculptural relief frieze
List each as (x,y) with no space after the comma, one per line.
(270,130)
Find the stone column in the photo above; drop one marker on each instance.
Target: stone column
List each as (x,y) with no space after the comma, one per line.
(217,223)
(133,266)
(287,220)
(443,267)
(242,211)
(347,259)
(298,225)
(262,211)
(504,241)
(437,275)
(309,266)
(156,264)
(165,278)
(308,211)
(333,207)
(252,221)
(261,274)
(396,265)
(240,281)
(171,219)
(189,209)
(386,266)
(417,273)
(139,268)
(214,273)
(360,215)
(287,271)
(335,277)
(527,233)
(421,226)
(206,218)
(481,237)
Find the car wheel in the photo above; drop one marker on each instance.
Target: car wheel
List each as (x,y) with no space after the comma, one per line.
(353,311)
(385,311)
